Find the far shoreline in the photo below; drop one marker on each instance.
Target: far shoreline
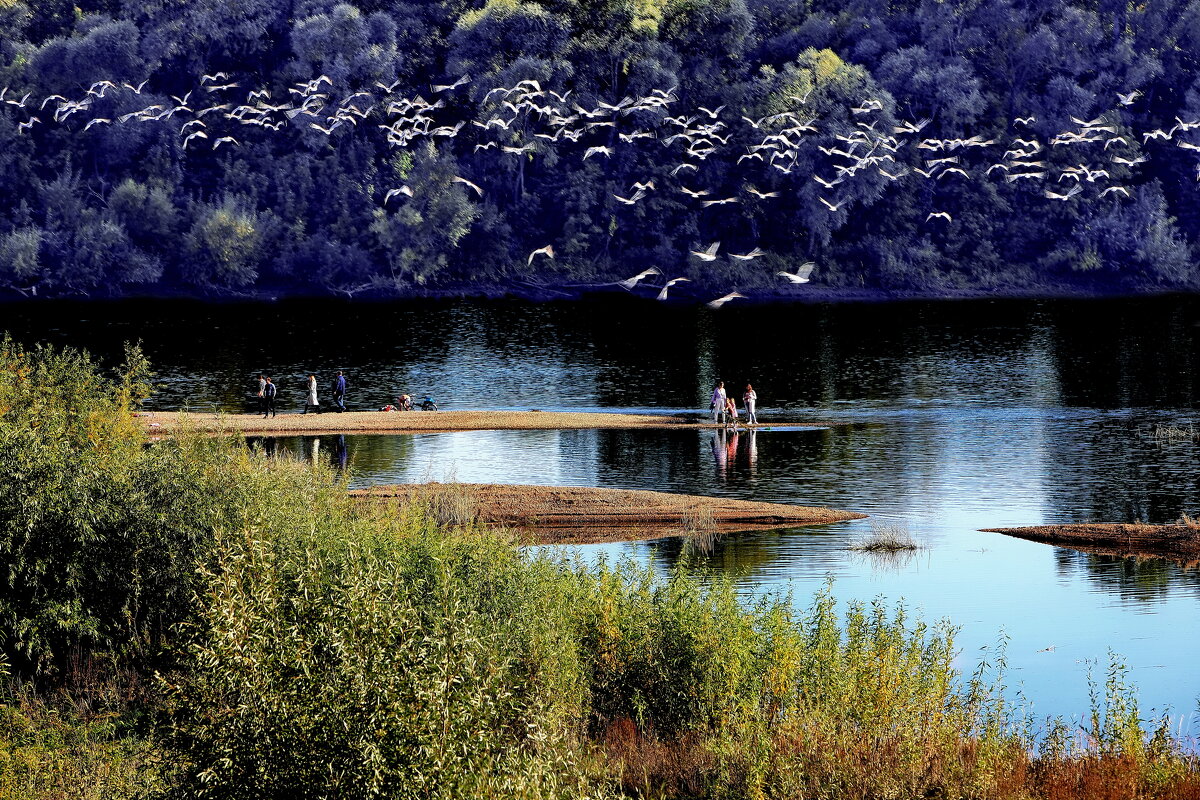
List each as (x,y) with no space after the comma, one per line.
(526,291)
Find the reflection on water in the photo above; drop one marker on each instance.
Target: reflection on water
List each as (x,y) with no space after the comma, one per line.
(948,416)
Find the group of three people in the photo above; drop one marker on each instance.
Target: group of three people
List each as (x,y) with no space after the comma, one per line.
(724,408)
(268,391)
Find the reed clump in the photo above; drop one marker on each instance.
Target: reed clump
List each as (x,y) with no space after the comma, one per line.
(1176,433)
(291,643)
(700,528)
(450,504)
(887,537)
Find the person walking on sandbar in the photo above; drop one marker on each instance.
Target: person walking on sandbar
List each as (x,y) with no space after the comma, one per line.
(718,403)
(311,398)
(339,391)
(262,396)
(269,392)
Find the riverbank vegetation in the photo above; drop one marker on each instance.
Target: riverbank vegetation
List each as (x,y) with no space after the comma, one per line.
(139,190)
(189,618)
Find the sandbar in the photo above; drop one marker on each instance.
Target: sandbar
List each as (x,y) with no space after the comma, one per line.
(419,422)
(1176,542)
(581,515)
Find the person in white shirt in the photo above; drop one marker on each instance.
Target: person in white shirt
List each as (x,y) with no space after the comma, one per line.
(718,404)
(750,398)
(311,400)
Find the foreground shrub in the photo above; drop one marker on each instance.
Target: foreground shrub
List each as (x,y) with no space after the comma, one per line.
(380,660)
(101,535)
(47,753)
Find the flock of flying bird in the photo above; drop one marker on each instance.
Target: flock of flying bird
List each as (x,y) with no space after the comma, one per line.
(525,120)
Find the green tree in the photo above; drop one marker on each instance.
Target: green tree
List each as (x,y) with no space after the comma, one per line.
(417,239)
(223,247)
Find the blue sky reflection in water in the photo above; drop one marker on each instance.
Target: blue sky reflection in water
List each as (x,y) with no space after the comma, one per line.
(948,416)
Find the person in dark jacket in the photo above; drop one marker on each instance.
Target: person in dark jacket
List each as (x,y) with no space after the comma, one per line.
(339,391)
(269,392)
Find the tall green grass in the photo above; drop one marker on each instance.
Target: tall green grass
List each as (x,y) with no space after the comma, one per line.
(196,619)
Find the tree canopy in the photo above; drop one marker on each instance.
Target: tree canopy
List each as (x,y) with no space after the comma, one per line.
(383,146)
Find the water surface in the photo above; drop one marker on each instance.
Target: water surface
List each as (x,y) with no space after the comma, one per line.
(945,417)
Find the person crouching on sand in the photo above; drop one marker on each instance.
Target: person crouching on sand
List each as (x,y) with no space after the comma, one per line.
(731,411)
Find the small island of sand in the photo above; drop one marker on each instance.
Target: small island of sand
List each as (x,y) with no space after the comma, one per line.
(579,515)
(1178,542)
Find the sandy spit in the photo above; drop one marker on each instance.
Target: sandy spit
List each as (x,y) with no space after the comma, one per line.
(1177,542)
(410,421)
(578,515)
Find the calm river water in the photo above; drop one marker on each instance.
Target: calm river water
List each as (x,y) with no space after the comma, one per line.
(945,417)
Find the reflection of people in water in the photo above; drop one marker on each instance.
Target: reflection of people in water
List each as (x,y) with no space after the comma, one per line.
(732,448)
(720,454)
(340,455)
(316,449)
(752,450)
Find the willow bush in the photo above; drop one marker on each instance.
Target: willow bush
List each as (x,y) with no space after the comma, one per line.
(101,533)
(379,661)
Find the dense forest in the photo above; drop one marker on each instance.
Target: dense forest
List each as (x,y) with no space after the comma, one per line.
(383,147)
